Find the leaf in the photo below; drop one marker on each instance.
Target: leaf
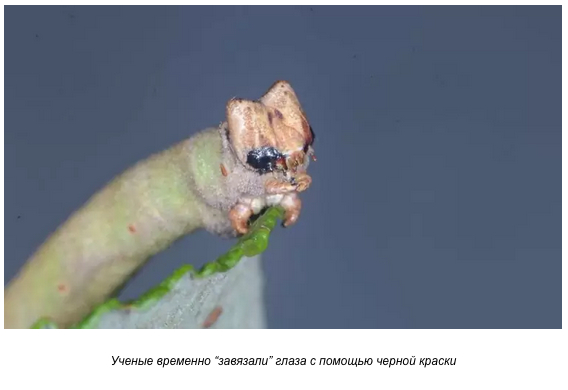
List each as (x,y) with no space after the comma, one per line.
(190,298)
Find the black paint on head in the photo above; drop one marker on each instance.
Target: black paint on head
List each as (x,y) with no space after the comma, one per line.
(264,159)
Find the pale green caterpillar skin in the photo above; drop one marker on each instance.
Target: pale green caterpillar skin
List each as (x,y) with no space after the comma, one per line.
(194,184)
(136,215)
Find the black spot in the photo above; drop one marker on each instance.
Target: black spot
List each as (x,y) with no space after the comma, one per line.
(227,133)
(19,216)
(264,159)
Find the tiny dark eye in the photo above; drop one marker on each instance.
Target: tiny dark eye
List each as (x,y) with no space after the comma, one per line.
(264,159)
(313,135)
(311,142)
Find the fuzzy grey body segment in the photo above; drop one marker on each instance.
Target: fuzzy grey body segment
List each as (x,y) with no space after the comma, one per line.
(219,193)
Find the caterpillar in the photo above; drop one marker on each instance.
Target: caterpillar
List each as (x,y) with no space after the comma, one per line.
(215,180)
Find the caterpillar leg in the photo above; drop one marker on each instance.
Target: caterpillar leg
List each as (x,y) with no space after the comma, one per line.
(298,183)
(239,216)
(292,206)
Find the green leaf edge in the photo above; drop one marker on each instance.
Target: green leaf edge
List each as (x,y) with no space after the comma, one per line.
(251,244)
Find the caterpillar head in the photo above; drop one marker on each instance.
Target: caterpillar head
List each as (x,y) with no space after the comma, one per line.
(271,134)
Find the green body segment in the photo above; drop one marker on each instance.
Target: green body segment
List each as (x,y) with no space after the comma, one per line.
(139,213)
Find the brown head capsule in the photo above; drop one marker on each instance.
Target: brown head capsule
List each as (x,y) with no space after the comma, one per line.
(271,137)
(271,133)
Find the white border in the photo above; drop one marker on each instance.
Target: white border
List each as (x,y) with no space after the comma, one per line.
(487,359)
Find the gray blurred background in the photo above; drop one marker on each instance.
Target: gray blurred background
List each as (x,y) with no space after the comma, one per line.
(436,200)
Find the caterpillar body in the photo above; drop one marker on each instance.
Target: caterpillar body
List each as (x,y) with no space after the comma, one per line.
(216,180)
